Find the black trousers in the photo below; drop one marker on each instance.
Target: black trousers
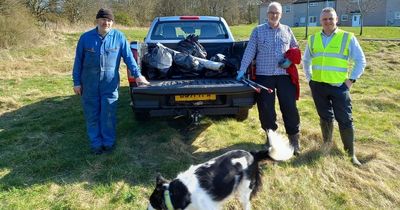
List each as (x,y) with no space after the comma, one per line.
(333,103)
(286,93)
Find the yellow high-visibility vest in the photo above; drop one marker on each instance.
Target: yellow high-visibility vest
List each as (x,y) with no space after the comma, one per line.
(330,64)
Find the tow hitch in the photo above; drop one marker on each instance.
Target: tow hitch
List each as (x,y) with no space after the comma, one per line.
(195,118)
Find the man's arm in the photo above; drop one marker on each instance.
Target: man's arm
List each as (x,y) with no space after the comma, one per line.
(307,63)
(357,55)
(293,41)
(77,68)
(250,51)
(131,63)
(128,58)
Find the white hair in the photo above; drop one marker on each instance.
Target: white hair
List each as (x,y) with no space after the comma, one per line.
(328,10)
(275,4)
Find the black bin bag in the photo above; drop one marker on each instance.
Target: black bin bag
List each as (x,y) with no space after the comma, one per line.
(191,46)
(159,59)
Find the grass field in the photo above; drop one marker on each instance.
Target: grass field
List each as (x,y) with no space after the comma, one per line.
(45,163)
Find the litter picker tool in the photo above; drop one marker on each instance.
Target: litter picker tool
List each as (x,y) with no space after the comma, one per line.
(254,84)
(257,89)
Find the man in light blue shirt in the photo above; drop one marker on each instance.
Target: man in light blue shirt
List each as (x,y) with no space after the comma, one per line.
(96,78)
(330,83)
(267,45)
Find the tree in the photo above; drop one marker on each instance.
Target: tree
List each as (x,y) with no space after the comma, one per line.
(82,10)
(73,10)
(38,8)
(14,29)
(364,7)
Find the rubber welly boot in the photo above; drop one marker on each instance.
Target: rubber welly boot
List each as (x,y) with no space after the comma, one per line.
(347,136)
(327,130)
(294,141)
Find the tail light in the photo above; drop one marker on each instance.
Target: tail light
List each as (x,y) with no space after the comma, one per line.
(253,70)
(135,53)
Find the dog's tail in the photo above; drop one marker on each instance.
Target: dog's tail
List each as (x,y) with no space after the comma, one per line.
(260,155)
(280,148)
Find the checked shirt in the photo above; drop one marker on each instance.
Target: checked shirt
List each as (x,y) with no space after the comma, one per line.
(268,46)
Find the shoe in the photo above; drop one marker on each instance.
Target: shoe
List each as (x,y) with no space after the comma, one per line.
(96,151)
(108,149)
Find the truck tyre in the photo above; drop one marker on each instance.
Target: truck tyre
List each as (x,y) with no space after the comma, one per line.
(242,114)
(141,116)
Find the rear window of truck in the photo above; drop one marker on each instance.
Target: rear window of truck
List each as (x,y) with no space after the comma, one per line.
(181,29)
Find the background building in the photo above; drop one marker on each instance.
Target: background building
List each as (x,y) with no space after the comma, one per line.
(376,12)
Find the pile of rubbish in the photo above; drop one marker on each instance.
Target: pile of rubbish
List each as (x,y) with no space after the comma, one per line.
(187,61)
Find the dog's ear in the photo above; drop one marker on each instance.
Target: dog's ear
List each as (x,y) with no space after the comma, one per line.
(160,180)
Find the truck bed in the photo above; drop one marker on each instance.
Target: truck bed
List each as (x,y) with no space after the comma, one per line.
(191,92)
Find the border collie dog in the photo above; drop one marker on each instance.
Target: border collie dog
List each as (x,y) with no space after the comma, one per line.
(208,185)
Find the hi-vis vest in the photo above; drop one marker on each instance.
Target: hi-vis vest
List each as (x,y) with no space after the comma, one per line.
(330,64)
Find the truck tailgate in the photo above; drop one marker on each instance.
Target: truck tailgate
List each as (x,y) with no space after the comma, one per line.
(197,86)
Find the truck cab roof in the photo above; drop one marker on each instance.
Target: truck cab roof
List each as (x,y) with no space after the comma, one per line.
(188,18)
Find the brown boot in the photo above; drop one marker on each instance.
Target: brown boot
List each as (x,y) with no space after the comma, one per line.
(347,136)
(294,141)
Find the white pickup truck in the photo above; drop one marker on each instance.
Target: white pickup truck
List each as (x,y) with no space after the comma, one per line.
(178,95)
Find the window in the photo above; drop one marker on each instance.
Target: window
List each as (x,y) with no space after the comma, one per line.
(312,19)
(302,20)
(287,8)
(313,4)
(172,30)
(330,4)
(344,18)
(397,15)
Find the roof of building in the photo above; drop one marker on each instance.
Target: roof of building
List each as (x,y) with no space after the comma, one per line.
(305,1)
(266,3)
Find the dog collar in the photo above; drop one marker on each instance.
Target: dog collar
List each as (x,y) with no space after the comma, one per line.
(167,199)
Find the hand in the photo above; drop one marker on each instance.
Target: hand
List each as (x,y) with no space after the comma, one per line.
(348,83)
(142,81)
(78,90)
(284,63)
(240,75)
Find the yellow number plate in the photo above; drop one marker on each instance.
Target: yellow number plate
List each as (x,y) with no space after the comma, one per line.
(196,97)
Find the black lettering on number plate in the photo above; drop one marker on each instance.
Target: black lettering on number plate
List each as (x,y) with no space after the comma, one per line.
(196,97)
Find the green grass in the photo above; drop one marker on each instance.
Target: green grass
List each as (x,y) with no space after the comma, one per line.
(45,161)
(242,32)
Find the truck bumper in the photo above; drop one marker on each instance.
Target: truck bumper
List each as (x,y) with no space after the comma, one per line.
(201,111)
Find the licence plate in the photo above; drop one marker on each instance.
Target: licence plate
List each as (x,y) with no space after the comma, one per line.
(196,97)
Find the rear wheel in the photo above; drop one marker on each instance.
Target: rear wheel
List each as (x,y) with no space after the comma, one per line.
(141,116)
(242,114)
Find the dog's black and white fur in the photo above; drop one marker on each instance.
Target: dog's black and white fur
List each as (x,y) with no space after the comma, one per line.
(208,185)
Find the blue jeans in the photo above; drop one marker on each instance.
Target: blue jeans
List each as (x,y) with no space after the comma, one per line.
(333,102)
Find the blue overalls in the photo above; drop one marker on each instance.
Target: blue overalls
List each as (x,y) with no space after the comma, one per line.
(96,69)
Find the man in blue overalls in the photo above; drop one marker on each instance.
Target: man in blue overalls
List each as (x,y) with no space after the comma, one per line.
(96,78)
